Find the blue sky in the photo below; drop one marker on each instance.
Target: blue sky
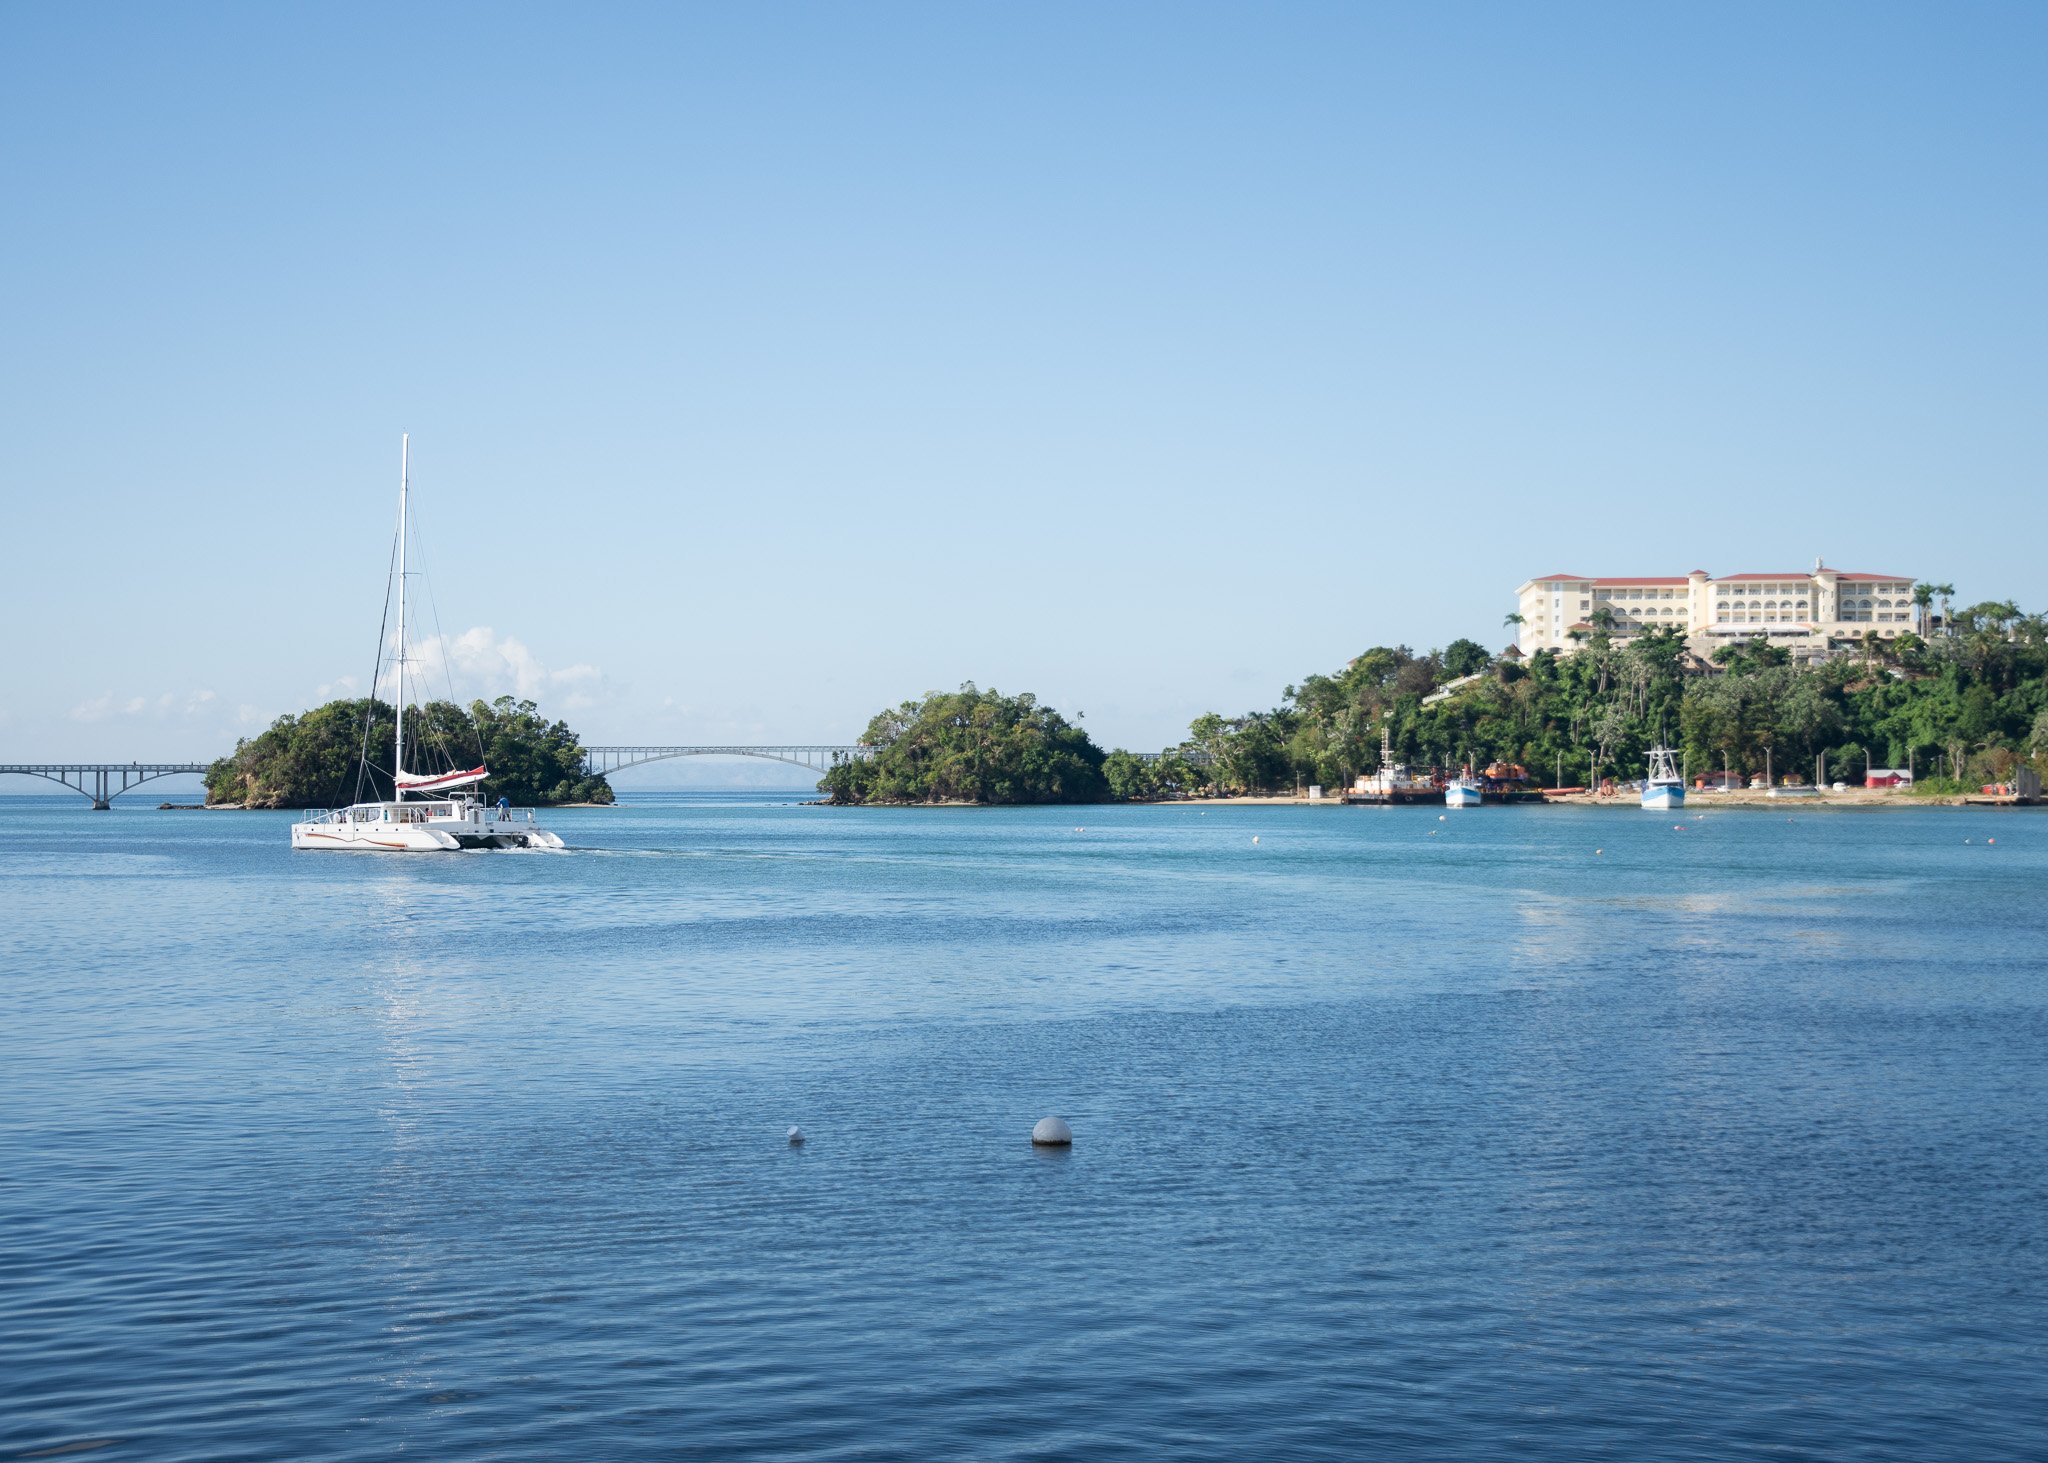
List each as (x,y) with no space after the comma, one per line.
(766,365)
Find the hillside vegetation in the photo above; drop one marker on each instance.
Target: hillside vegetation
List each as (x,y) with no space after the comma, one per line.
(1966,706)
(311,760)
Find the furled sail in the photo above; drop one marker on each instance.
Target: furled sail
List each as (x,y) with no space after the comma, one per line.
(424,782)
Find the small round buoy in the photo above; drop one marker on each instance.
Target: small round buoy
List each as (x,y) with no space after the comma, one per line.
(1598,851)
(1678,828)
(1052,1133)
(1255,838)
(1440,817)
(1991,840)
(796,1137)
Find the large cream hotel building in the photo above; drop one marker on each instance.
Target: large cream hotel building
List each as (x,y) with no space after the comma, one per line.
(1807,612)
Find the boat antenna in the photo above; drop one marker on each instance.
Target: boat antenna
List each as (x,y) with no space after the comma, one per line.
(404,491)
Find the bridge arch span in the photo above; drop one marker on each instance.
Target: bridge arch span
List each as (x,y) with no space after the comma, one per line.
(102,781)
(604,761)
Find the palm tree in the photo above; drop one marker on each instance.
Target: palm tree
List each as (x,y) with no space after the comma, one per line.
(1514,622)
(1603,622)
(1923,596)
(1945,591)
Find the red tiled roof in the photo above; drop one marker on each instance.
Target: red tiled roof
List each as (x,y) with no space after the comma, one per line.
(1548,577)
(1905,578)
(1678,580)
(1795,574)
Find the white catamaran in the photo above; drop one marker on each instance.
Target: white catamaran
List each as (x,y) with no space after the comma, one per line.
(441,818)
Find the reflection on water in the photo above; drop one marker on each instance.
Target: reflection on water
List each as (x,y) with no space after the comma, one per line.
(1392,1135)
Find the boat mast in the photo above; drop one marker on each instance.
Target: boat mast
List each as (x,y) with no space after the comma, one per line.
(404,488)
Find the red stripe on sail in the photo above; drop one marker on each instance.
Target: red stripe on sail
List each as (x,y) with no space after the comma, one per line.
(447,779)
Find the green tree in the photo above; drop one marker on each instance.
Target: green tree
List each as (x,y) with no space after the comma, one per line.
(972,746)
(1129,778)
(1464,658)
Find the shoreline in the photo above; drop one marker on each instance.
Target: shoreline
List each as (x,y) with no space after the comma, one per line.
(1695,802)
(246,808)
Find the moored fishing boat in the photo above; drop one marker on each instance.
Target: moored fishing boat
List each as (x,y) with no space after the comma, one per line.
(1663,789)
(1463,791)
(447,814)
(1393,782)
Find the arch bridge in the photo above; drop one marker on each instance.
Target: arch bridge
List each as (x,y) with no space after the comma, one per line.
(103,781)
(821,758)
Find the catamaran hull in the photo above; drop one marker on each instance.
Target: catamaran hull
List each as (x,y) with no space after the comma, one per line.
(379,838)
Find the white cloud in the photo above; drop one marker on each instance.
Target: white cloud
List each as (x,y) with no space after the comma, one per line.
(482,663)
(340,688)
(162,707)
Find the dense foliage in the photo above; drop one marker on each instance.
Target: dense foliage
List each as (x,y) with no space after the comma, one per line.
(1967,705)
(972,746)
(314,760)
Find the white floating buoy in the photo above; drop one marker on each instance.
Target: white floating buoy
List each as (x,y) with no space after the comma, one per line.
(1255,838)
(1598,851)
(1052,1133)
(1440,817)
(796,1137)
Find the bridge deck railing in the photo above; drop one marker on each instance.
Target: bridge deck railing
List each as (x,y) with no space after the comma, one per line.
(102,781)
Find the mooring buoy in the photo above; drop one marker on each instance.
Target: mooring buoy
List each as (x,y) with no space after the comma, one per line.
(1052,1133)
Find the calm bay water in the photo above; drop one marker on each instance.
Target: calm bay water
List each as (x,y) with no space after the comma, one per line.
(1393,1135)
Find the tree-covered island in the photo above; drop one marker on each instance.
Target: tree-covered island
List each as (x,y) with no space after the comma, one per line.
(315,759)
(972,746)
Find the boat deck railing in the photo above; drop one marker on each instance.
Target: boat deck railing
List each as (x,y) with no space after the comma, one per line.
(425,812)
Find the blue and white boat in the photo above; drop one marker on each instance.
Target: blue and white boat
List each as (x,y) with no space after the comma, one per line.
(1462,792)
(1663,789)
